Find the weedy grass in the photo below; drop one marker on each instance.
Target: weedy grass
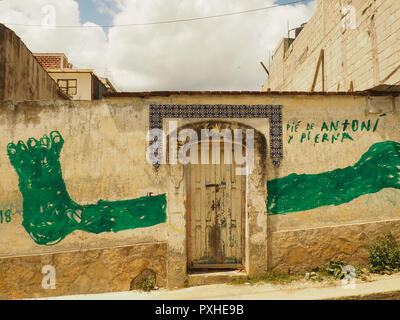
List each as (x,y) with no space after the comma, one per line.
(268,277)
(384,258)
(146,285)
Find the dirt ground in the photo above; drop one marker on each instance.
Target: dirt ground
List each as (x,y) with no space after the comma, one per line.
(378,287)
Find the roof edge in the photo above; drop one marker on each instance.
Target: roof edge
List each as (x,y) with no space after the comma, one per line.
(255,93)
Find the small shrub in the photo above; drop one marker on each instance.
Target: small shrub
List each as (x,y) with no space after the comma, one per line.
(335,269)
(384,255)
(148,284)
(145,281)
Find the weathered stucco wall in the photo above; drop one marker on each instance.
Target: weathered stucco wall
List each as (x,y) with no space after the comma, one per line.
(103,153)
(21,75)
(334,217)
(337,185)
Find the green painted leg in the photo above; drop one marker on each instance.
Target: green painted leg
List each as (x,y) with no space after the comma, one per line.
(49,214)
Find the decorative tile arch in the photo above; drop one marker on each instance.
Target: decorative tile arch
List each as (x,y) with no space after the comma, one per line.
(202,111)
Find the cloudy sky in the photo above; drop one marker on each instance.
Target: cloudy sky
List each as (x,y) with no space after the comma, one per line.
(210,54)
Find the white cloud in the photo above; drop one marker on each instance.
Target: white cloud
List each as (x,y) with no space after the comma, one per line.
(110,7)
(212,54)
(85,47)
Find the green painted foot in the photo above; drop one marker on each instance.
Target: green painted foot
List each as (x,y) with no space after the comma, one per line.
(378,169)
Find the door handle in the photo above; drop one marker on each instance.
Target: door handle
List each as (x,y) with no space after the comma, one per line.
(216,205)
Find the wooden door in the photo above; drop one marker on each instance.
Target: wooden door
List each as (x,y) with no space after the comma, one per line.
(216,215)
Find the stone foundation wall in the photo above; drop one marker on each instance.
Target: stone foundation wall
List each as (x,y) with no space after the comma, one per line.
(82,272)
(304,250)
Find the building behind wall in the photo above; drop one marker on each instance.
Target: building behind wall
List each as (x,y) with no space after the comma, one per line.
(346,45)
(80,84)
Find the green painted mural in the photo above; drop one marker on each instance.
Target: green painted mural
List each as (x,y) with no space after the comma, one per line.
(49,214)
(378,169)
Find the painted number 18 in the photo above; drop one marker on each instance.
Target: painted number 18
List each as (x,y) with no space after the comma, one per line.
(5,217)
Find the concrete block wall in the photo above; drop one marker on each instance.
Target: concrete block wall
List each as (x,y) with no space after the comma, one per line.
(365,56)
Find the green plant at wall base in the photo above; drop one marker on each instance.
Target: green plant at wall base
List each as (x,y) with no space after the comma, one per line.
(146,284)
(186,284)
(384,255)
(378,169)
(49,214)
(335,269)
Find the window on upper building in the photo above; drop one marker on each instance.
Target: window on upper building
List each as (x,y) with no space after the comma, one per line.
(69,86)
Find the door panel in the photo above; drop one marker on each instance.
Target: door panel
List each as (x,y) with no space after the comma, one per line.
(216,214)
